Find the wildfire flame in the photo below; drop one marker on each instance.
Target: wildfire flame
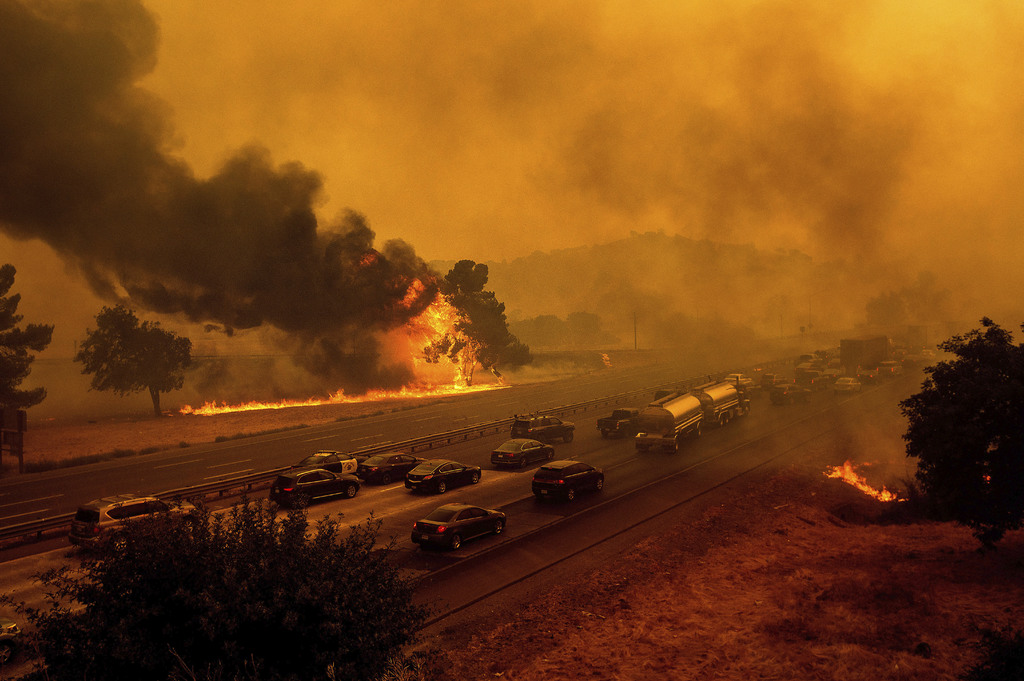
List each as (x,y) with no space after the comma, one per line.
(850,476)
(213,408)
(440,319)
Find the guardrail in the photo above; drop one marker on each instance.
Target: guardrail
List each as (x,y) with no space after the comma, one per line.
(36,529)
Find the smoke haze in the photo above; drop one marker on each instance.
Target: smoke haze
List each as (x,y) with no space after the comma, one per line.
(151,146)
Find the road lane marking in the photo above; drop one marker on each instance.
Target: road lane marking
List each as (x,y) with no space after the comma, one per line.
(228,475)
(18,515)
(29,501)
(429,418)
(230,463)
(180,463)
(367,437)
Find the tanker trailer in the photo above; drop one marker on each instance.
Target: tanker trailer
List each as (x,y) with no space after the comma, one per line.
(722,402)
(662,422)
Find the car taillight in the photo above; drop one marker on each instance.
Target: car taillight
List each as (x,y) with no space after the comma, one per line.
(559,482)
(96,529)
(441,529)
(372,469)
(427,477)
(287,489)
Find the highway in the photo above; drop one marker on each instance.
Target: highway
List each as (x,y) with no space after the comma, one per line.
(38,495)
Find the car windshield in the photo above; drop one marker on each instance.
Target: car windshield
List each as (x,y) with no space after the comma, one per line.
(511,446)
(88,515)
(376,460)
(548,473)
(426,467)
(442,515)
(313,460)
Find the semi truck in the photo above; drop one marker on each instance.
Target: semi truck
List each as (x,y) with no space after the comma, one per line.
(867,352)
(664,422)
(722,402)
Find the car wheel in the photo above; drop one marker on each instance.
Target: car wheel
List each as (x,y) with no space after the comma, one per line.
(499,526)
(350,490)
(441,487)
(600,484)
(570,494)
(385,478)
(474,478)
(6,652)
(455,542)
(568,436)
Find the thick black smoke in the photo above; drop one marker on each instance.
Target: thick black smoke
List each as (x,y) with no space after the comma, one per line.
(87,165)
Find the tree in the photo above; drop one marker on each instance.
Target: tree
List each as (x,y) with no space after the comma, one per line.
(482,335)
(15,346)
(126,356)
(965,429)
(232,595)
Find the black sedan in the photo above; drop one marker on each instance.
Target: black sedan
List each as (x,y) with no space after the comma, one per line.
(384,468)
(437,475)
(520,451)
(301,487)
(451,524)
(563,479)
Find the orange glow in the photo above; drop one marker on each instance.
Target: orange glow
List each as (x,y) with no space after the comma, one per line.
(212,408)
(850,476)
(439,320)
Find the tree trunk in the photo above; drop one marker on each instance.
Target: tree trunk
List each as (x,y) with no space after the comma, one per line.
(155,394)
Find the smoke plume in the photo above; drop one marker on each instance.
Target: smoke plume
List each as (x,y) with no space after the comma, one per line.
(87,165)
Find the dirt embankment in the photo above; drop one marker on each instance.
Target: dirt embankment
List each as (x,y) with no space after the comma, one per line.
(803,578)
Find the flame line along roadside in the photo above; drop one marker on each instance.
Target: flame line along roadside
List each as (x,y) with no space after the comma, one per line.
(214,408)
(847,473)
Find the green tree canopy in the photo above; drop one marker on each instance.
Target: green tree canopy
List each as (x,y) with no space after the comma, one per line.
(484,328)
(16,343)
(966,428)
(127,356)
(234,595)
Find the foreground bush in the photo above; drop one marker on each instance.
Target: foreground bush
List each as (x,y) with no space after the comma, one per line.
(241,595)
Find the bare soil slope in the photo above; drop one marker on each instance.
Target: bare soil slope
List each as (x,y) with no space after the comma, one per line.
(802,578)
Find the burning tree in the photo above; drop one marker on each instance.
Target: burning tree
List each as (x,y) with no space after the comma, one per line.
(15,344)
(126,356)
(966,430)
(479,330)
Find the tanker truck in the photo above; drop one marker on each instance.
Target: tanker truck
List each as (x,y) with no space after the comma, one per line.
(663,422)
(722,402)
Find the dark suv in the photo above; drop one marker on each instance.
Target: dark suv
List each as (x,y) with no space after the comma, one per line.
(92,520)
(564,479)
(543,428)
(9,633)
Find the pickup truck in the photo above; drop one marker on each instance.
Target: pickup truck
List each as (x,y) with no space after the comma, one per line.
(622,423)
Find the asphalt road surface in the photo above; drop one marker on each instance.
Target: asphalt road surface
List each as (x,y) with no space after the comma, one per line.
(642,490)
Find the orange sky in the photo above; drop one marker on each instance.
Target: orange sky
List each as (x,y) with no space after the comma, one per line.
(888,130)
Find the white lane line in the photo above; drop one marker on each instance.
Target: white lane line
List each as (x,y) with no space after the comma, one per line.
(231,463)
(29,501)
(180,463)
(367,437)
(228,475)
(428,418)
(322,437)
(18,515)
